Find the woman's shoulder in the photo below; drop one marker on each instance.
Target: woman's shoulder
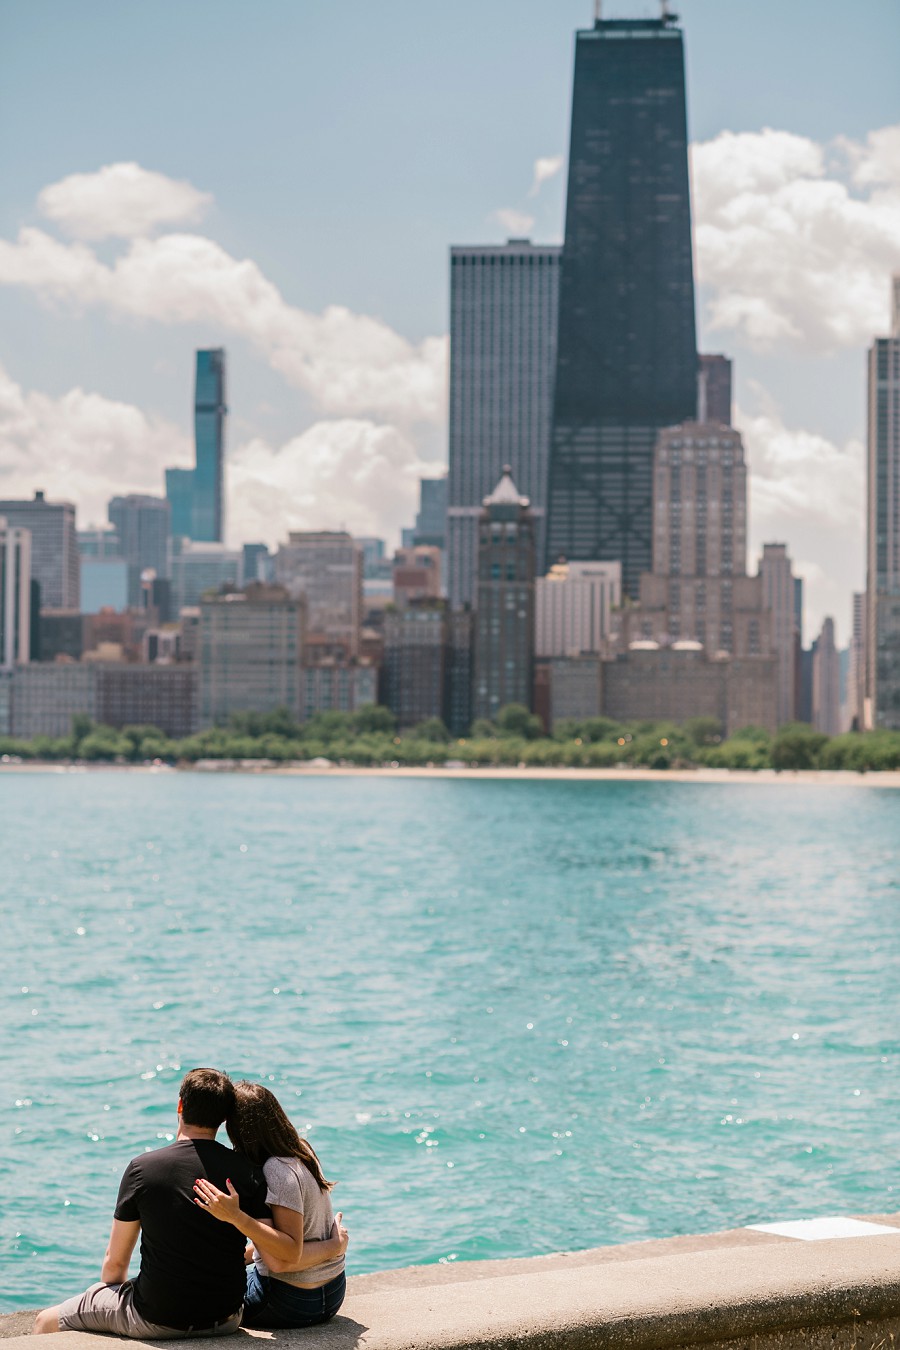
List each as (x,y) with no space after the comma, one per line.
(283,1168)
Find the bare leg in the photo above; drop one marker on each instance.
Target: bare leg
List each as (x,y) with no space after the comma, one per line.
(45,1322)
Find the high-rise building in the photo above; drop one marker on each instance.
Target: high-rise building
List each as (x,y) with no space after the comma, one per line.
(256,563)
(337,686)
(778,598)
(198,568)
(503,320)
(626,361)
(417,573)
(574,604)
(504,613)
(143,526)
(431,518)
(883,528)
(416,656)
(15,595)
(714,389)
(251,653)
(197,496)
(826,682)
(46,696)
(55,560)
(699,590)
(326,567)
(162,696)
(854,707)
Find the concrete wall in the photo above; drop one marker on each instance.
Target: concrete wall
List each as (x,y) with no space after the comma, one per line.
(729,1291)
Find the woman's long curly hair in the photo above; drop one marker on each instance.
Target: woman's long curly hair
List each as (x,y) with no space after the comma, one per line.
(259,1128)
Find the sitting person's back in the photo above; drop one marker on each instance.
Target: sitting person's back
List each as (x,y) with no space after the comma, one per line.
(192,1272)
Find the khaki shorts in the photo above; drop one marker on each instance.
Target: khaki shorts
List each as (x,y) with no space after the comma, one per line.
(110,1307)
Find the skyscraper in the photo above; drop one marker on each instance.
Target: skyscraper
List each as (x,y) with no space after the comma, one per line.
(778,598)
(142,524)
(251,652)
(504,618)
(626,362)
(15,595)
(826,681)
(714,389)
(55,561)
(197,496)
(503,317)
(326,567)
(883,522)
(699,590)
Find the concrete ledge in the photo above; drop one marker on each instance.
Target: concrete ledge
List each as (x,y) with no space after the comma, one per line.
(741,1289)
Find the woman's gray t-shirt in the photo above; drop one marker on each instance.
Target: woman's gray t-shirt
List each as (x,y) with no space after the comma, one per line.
(292,1185)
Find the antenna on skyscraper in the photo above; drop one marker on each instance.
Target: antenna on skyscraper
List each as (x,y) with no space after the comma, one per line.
(598,10)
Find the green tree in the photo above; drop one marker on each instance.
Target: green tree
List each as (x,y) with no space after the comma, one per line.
(374,718)
(431,730)
(703,730)
(516,720)
(752,733)
(797,746)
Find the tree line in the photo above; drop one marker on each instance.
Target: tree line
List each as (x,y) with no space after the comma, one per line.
(369,738)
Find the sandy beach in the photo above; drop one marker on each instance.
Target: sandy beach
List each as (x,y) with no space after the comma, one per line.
(624,774)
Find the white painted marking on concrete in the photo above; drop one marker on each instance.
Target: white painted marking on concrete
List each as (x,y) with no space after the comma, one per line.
(814,1230)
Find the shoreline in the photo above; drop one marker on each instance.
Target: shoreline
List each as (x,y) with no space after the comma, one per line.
(490,772)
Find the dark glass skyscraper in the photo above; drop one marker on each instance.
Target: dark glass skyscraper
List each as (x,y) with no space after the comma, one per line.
(626,350)
(197,496)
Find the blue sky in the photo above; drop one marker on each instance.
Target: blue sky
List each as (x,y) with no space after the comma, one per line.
(345,147)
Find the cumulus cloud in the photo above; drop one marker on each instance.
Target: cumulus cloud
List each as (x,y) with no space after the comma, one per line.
(121,200)
(516,223)
(787,251)
(85,448)
(349,363)
(545,168)
(347,474)
(809,492)
(82,447)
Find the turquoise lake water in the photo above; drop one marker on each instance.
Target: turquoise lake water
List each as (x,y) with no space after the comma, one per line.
(513,1017)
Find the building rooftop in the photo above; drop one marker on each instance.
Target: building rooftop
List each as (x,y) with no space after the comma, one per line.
(506,493)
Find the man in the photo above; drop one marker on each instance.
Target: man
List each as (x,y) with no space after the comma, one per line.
(192,1277)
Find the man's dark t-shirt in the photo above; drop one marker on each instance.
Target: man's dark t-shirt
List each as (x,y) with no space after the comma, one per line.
(192,1265)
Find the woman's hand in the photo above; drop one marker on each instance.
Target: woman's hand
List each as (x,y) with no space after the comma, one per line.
(339,1232)
(226,1208)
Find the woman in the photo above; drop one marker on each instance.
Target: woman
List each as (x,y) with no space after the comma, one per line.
(295,1272)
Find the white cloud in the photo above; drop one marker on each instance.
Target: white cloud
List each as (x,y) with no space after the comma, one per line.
(545,168)
(121,200)
(789,254)
(85,448)
(810,493)
(518,224)
(81,448)
(349,474)
(875,163)
(349,363)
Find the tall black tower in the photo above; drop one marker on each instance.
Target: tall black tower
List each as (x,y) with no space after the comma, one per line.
(626,350)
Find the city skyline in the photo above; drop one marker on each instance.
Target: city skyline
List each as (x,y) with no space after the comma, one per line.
(356,405)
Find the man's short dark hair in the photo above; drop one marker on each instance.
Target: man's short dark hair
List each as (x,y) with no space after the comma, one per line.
(207,1097)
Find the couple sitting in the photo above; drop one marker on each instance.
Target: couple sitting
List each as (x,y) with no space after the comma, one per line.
(196,1204)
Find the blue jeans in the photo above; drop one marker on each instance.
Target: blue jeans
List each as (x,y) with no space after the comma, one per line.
(274,1303)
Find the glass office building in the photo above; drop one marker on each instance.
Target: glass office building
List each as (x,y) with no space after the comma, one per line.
(626,360)
(503,318)
(197,496)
